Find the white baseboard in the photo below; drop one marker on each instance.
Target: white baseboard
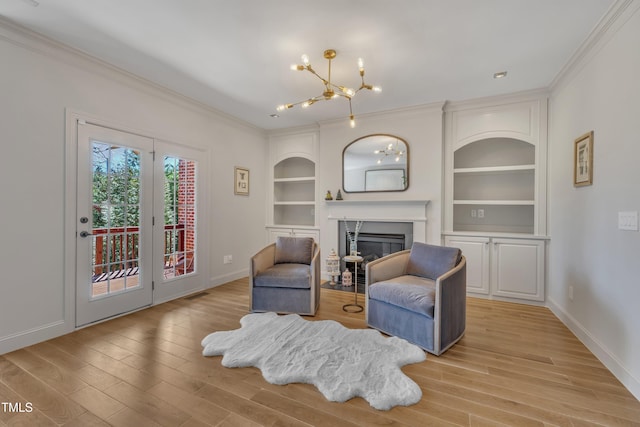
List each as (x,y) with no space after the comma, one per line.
(33,336)
(609,360)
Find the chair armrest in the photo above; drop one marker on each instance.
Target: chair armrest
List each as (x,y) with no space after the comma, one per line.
(315,266)
(388,267)
(262,260)
(451,304)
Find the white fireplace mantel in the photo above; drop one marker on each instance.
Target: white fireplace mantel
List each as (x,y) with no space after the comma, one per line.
(414,211)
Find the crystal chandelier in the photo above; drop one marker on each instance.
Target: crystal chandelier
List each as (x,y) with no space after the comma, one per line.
(331,90)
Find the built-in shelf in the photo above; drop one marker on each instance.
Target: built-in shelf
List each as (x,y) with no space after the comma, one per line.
(298,203)
(494,183)
(297,179)
(495,169)
(496,202)
(294,192)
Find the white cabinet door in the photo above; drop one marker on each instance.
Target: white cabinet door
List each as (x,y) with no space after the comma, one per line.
(517,269)
(476,251)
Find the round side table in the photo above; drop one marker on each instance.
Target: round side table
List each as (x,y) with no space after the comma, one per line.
(355,307)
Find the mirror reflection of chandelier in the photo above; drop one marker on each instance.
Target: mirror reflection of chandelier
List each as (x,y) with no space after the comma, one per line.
(331,90)
(390,150)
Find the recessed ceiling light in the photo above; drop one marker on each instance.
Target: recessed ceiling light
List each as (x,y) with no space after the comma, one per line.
(500,74)
(33,3)
(274,115)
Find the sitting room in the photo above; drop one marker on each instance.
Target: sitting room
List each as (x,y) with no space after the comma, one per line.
(412,212)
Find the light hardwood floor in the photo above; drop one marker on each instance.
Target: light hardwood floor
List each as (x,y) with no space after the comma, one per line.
(517,365)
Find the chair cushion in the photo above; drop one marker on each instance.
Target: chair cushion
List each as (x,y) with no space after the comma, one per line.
(413,293)
(431,261)
(284,276)
(296,250)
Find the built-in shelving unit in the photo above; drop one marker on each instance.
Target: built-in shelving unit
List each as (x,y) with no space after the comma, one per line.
(494,186)
(294,192)
(292,202)
(495,182)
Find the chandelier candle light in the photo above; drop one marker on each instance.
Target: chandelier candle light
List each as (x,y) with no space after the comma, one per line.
(353,238)
(331,90)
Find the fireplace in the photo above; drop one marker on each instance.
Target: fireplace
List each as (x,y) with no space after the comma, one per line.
(375,240)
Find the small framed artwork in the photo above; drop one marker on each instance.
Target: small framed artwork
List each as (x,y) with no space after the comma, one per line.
(241,181)
(583,160)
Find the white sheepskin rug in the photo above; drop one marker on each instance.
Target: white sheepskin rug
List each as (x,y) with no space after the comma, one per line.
(342,363)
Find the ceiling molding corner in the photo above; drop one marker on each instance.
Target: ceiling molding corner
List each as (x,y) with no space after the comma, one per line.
(619,13)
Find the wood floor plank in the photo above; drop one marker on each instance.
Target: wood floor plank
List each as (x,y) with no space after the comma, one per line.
(57,378)
(249,409)
(517,365)
(148,406)
(199,408)
(97,402)
(43,398)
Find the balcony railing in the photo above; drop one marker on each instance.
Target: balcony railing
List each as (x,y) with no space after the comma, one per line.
(116,251)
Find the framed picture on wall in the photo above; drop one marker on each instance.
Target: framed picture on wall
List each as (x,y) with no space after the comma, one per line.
(241,184)
(583,160)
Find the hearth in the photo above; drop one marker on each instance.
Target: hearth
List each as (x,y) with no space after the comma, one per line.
(376,239)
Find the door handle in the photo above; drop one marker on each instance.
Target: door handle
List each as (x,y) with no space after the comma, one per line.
(84,234)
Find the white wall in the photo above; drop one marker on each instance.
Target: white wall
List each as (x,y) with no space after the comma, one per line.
(587,251)
(422,128)
(38,81)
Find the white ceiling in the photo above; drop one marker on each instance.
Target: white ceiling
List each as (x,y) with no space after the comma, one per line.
(235,55)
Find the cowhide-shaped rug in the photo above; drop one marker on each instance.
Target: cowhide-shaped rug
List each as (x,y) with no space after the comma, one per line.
(342,363)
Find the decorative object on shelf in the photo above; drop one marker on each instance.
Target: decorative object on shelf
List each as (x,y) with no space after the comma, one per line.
(346,278)
(328,196)
(331,90)
(241,185)
(339,195)
(353,238)
(333,266)
(583,160)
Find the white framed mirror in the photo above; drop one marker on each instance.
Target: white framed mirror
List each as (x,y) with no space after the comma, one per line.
(378,162)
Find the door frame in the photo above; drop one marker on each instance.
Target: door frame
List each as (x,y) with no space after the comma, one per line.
(72,117)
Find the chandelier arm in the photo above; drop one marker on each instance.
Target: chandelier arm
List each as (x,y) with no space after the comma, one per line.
(312,71)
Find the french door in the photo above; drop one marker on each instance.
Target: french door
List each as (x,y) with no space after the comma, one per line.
(114,223)
(137,228)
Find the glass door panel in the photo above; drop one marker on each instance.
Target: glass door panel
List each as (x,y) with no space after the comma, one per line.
(114,244)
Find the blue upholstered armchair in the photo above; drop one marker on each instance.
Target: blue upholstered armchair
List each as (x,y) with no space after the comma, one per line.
(284,277)
(419,295)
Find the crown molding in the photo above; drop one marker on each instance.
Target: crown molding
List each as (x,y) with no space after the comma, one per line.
(497,100)
(615,18)
(35,42)
(297,130)
(435,107)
